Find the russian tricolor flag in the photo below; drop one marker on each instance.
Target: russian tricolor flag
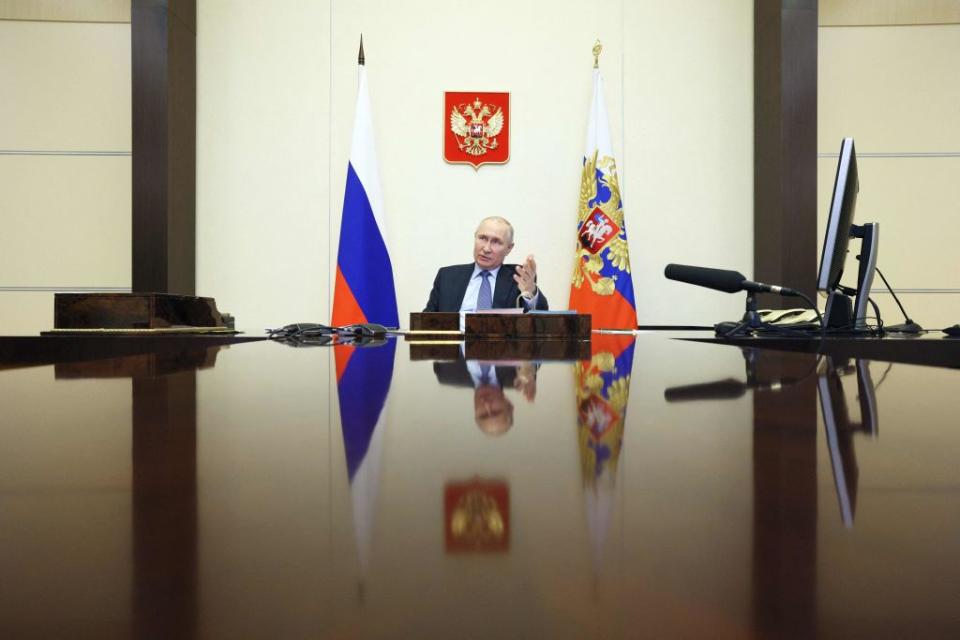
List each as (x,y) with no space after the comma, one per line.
(364,290)
(363,384)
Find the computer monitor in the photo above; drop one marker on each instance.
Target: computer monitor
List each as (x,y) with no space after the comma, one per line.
(840,311)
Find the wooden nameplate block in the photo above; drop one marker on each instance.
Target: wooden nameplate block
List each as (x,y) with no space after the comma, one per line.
(530,326)
(500,326)
(435,326)
(140,311)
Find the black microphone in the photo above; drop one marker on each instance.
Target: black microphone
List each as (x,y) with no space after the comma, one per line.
(721,280)
(728,389)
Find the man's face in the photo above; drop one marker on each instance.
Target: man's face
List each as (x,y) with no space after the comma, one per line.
(492,410)
(491,244)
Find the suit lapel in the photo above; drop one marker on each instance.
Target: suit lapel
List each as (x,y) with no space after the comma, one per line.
(501,292)
(460,282)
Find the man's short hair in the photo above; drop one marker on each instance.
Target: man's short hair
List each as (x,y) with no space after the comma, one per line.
(501,220)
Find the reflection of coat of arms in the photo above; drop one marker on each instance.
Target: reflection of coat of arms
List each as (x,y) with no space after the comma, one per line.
(476,128)
(477,516)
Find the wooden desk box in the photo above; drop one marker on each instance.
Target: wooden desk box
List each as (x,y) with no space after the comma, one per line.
(133,311)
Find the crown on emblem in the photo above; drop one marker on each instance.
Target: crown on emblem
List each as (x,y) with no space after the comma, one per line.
(477,104)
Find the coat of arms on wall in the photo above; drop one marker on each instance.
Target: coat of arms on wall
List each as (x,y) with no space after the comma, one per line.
(476,127)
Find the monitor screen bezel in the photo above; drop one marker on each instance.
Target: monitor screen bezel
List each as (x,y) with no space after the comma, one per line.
(842,207)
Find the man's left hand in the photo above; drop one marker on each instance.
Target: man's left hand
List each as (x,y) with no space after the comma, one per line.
(526,277)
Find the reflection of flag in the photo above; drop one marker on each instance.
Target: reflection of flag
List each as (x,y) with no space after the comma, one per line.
(603,389)
(602,285)
(364,289)
(363,382)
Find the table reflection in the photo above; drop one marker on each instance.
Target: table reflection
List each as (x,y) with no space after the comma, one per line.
(640,486)
(492,409)
(164,527)
(364,374)
(838,426)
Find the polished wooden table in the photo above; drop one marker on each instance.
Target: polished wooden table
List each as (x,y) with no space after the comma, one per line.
(660,488)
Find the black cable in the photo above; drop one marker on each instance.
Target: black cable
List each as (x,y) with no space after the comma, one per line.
(907,327)
(895,298)
(812,306)
(876,310)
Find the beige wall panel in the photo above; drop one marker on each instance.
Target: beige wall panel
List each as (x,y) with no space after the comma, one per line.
(917,202)
(66,86)
(432,207)
(929,310)
(25,313)
(271,171)
(888,12)
(688,110)
(262,160)
(66,221)
(894,89)
(66,10)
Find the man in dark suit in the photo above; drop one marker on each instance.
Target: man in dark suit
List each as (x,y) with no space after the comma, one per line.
(487,283)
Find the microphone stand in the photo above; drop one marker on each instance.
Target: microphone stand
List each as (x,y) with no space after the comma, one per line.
(751,318)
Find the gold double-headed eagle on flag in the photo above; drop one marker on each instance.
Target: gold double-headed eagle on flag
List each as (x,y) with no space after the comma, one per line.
(588,264)
(476,126)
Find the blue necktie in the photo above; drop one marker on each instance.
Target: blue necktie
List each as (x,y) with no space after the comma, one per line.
(485,297)
(484,374)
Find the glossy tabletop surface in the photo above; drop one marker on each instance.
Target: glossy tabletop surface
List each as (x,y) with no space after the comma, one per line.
(655,488)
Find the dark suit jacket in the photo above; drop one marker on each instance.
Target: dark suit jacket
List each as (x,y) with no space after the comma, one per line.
(451,283)
(457,374)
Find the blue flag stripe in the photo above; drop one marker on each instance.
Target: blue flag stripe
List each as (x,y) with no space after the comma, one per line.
(363,390)
(363,258)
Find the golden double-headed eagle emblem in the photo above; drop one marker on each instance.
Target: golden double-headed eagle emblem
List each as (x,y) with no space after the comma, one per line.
(602,237)
(476,126)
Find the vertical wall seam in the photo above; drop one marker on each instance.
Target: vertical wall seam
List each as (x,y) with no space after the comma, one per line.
(330,162)
(329,352)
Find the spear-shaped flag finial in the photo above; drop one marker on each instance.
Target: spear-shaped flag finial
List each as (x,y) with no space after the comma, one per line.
(360,58)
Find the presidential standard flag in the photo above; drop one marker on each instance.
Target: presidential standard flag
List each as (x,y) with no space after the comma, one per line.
(601,284)
(603,390)
(364,290)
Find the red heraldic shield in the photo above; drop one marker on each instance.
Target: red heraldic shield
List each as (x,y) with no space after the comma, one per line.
(476,127)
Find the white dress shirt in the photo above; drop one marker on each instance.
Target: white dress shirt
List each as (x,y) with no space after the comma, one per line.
(469,302)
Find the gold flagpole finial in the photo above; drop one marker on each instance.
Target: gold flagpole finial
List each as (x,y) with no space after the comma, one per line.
(597,48)
(360,58)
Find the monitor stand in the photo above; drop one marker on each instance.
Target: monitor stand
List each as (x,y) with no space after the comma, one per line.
(841,312)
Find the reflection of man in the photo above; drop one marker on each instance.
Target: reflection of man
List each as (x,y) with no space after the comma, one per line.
(493,411)
(487,283)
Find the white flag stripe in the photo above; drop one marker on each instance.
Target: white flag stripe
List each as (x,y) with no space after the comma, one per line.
(598,127)
(364,490)
(363,153)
